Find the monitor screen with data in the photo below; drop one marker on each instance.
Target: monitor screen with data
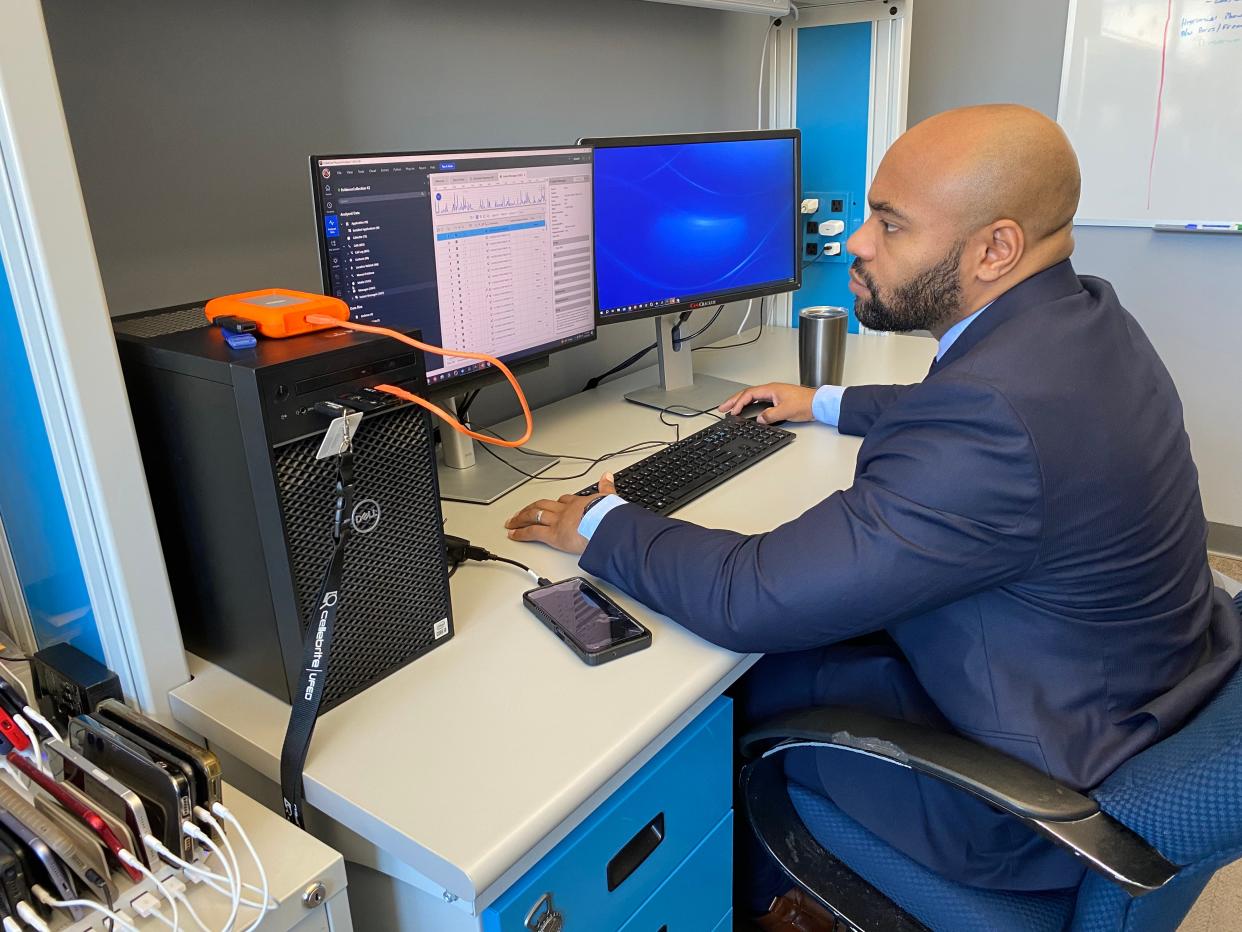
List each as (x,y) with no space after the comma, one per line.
(485,251)
(683,222)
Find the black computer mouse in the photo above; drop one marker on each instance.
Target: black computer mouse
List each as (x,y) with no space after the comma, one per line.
(755,408)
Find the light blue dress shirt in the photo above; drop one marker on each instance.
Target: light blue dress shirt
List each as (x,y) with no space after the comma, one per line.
(825,408)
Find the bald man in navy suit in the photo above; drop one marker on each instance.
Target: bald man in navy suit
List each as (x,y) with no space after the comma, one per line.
(1022,555)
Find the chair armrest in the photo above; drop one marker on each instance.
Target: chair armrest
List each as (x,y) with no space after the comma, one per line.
(1068,818)
(996,777)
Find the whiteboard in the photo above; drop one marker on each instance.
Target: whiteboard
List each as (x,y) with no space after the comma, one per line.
(1151,97)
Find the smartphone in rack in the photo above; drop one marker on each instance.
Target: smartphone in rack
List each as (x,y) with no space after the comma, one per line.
(91,849)
(47,868)
(14,887)
(207,775)
(33,827)
(110,796)
(116,825)
(165,792)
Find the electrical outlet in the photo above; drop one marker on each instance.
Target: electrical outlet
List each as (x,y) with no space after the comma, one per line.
(834,223)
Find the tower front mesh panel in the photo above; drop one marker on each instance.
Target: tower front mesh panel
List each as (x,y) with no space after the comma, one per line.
(393,596)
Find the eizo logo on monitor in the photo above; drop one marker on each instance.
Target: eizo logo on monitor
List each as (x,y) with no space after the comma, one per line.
(365,517)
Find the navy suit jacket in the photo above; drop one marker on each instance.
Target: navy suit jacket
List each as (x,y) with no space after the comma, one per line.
(1025,523)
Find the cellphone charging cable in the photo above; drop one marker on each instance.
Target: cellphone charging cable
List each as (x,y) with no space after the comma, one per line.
(459,550)
(230,884)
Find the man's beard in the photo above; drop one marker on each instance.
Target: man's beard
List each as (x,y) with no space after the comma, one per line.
(929,299)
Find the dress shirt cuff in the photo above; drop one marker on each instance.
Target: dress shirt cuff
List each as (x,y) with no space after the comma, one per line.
(826,405)
(595,514)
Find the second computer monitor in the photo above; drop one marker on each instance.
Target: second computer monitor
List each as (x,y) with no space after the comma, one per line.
(485,251)
(683,222)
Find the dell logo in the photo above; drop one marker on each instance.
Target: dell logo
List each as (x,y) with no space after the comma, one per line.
(365,516)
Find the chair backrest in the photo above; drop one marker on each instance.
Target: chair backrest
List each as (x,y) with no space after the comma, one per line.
(1183,796)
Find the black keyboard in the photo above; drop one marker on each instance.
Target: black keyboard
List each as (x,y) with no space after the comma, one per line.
(684,470)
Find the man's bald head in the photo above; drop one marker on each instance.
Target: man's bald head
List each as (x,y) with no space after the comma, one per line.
(964,206)
(994,162)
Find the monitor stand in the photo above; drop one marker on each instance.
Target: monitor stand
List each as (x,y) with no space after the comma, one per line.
(468,474)
(678,385)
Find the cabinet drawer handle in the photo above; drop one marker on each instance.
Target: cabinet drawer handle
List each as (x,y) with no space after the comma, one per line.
(635,851)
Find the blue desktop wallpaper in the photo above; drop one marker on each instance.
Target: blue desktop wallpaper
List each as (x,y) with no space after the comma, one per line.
(680,221)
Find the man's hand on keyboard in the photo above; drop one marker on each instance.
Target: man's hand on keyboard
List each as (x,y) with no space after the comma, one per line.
(555,523)
(789,402)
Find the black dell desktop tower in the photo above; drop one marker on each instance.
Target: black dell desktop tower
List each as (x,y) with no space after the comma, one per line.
(245,510)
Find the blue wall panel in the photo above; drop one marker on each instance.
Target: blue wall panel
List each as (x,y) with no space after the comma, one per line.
(32,506)
(834,107)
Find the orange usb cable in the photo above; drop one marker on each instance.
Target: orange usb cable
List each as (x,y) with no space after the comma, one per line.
(325,320)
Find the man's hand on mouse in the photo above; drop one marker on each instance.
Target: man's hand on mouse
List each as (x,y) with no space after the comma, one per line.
(555,523)
(789,402)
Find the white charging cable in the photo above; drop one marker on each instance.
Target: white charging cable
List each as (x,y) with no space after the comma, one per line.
(185,901)
(30,917)
(220,810)
(207,819)
(212,880)
(37,717)
(745,317)
(127,858)
(189,828)
(48,900)
(14,679)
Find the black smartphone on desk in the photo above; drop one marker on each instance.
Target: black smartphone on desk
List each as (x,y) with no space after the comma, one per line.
(595,627)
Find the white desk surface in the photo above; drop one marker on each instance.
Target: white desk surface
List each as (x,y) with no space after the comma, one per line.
(471,763)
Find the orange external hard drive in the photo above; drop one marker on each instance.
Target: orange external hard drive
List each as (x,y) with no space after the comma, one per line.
(278,312)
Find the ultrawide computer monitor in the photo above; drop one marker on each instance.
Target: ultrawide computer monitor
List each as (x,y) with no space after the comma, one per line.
(692,221)
(486,251)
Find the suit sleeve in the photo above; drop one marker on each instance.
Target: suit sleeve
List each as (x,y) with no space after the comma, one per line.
(947,501)
(862,405)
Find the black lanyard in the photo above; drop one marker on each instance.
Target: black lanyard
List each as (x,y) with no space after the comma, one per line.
(316,649)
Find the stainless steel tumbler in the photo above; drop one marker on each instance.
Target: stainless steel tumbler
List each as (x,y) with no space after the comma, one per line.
(821,345)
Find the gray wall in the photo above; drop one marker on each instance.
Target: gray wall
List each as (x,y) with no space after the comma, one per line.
(1183,289)
(192,122)
(980,52)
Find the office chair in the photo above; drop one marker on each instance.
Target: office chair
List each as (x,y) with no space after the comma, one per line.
(1152,834)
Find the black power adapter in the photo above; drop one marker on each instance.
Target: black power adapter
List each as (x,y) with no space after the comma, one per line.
(68,682)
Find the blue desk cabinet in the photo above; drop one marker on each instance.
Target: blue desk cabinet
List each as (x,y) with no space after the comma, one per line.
(698,894)
(658,852)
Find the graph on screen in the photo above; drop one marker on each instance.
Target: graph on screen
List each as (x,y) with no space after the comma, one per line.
(490,197)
